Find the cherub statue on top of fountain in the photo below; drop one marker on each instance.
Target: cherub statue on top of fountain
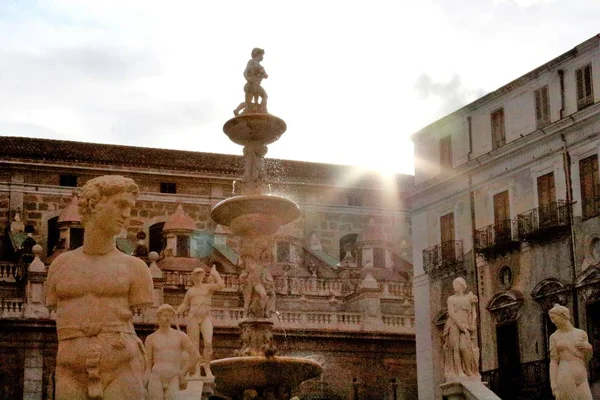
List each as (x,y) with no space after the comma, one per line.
(254,74)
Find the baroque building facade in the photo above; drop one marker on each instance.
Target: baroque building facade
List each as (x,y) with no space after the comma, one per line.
(507,195)
(343,279)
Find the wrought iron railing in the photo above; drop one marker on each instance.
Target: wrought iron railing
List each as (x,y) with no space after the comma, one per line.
(496,237)
(529,381)
(544,219)
(441,259)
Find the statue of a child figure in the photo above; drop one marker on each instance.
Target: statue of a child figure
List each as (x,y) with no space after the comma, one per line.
(93,290)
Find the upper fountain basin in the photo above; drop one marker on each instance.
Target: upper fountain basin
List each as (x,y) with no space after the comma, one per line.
(255,214)
(254,129)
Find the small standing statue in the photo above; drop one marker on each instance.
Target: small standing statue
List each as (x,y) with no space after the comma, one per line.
(94,290)
(259,287)
(254,74)
(164,373)
(570,351)
(254,155)
(198,300)
(461,354)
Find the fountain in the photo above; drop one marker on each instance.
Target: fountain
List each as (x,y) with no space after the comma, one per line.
(254,214)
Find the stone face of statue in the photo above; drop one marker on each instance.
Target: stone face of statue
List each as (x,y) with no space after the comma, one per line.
(112,212)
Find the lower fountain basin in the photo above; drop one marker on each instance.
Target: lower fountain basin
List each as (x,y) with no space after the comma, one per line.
(236,374)
(255,214)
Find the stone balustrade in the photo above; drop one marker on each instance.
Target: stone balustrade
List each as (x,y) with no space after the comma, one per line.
(8,272)
(12,308)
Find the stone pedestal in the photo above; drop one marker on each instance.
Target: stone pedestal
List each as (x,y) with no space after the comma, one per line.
(36,276)
(467,390)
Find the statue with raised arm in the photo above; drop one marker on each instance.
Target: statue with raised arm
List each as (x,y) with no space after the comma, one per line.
(461,353)
(93,290)
(165,376)
(570,351)
(198,301)
(254,74)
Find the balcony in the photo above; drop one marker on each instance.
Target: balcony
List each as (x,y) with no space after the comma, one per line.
(544,223)
(496,239)
(445,259)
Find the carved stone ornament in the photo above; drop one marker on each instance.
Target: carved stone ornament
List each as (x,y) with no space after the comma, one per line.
(588,284)
(549,292)
(504,306)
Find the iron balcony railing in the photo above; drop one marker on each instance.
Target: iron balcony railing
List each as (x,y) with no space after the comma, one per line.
(442,257)
(544,219)
(497,236)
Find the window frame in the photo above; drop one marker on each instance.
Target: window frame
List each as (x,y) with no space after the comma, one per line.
(498,130)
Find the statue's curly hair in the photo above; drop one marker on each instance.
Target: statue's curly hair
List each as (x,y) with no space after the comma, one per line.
(95,189)
(164,308)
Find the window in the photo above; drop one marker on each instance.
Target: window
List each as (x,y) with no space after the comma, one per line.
(542,107)
(546,199)
(590,187)
(283,252)
(447,236)
(502,223)
(446,152)
(378,257)
(75,238)
(68,180)
(498,134)
(156,242)
(585,90)
(355,200)
(183,246)
(168,187)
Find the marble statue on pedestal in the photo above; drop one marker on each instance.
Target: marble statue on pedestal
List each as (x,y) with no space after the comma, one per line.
(461,353)
(254,74)
(165,370)
(570,351)
(94,289)
(198,301)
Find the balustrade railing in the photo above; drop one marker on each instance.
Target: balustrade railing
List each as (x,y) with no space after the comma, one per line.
(444,258)
(537,222)
(9,272)
(12,307)
(497,237)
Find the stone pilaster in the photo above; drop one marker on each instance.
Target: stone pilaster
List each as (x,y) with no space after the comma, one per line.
(32,381)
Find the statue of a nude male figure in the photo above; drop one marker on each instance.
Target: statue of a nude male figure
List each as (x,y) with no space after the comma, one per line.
(164,372)
(93,290)
(198,300)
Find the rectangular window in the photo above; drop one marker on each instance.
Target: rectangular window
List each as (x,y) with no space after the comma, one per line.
(446,152)
(498,133)
(68,180)
(585,89)
(547,211)
(355,200)
(378,257)
(183,246)
(590,186)
(502,223)
(447,235)
(542,107)
(168,187)
(283,252)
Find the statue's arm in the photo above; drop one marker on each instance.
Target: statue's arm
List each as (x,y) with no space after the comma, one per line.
(51,295)
(219,282)
(452,314)
(185,304)
(140,292)
(584,346)
(149,358)
(192,351)
(553,363)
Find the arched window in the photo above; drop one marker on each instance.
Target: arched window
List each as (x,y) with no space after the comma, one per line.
(156,242)
(53,235)
(350,240)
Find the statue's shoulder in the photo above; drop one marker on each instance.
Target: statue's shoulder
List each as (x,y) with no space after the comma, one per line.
(66,258)
(132,261)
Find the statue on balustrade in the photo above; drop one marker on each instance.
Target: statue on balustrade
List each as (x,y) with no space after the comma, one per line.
(461,353)
(94,289)
(258,284)
(570,351)
(165,370)
(198,301)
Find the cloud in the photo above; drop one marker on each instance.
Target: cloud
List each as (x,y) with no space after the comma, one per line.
(453,94)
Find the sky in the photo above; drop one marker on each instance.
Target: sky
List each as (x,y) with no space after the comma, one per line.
(352,79)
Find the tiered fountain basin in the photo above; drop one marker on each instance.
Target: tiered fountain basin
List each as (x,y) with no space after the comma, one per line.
(254,128)
(248,215)
(236,374)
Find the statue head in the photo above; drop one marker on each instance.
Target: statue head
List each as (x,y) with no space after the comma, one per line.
(257,52)
(459,283)
(98,190)
(559,312)
(198,273)
(164,313)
